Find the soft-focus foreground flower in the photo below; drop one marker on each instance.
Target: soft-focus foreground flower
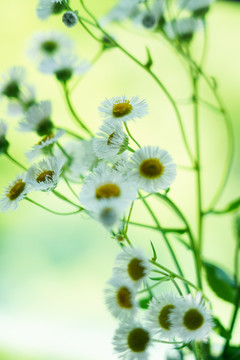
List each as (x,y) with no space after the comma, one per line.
(183,29)
(46,8)
(198,7)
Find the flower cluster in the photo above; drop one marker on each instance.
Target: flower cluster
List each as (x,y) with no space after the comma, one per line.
(168,317)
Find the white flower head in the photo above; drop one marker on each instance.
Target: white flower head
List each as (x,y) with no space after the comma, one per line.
(183,28)
(133,265)
(105,184)
(14,193)
(26,99)
(191,319)
(49,44)
(108,213)
(157,315)
(45,174)
(64,66)
(46,8)
(123,10)
(120,298)
(70,19)
(12,82)
(132,341)
(43,146)
(111,140)
(83,157)
(151,18)
(38,118)
(152,169)
(123,108)
(196,6)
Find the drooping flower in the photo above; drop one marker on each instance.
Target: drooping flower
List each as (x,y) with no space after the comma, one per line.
(111,141)
(69,19)
(4,144)
(12,82)
(198,8)
(14,193)
(44,176)
(152,17)
(46,8)
(132,341)
(38,118)
(123,108)
(182,29)
(191,320)
(152,169)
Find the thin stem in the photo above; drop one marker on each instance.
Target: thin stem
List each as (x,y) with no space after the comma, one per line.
(64,198)
(164,237)
(130,135)
(176,286)
(73,112)
(51,211)
(64,151)
(15,161)
(165,230)
(69,132)
(69,186)
(167,278)
(128,219)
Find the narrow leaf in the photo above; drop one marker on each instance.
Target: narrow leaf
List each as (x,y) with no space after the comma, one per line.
(143,303)
(154,252)
(219,329)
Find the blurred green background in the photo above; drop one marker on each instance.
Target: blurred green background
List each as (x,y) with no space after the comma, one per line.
(54,269)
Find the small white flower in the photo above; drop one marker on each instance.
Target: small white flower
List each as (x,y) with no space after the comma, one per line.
(191,320)
(49,44)
(123,10)
(196,6)
(123,108)
(38,118)
(83,157)
(152,169)
(44,144)
(132,340)
(105,183)
(182,28)
(14,193)
(46,8)
(111,141)
(12,82)
(64,67)
(26,99)
(120,298)
(133,265)
(157,315)
(69,19)
(45,174)
(150,18)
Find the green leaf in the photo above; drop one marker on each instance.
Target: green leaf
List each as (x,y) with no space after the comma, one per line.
(233,205)
(149,60)
(219,329)
(220,282)
(183,242)
(154,252)
(143,303)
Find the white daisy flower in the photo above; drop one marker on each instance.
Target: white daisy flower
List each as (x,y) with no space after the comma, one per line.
(44,145)
(105,183)
(152,169)
(45,174)
(123,108)
(111,141)
(123,10)
(38,118)
(27,98)
(83,157)
(199,8)
(132,341)
(4,144)
(46,8)
(133,265)
(120,298)
(121,163)
(152,17)
(14,193)
(183,29)
(157,315)
(191,319)
(12,82)
(64,67)
(49,44)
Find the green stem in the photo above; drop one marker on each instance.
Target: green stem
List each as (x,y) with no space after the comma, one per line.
(69,186)
(130,135)
(164,237)
(51,211)
(69,132)
(15,161)
(128,219)
(64,198)
(64,151)
(164,230)
(73,112)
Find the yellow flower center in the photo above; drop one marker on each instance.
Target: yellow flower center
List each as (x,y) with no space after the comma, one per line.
(163,317)
(138,340)
(136,269)
(121,108)
(193,319)
(16,190)
(45,175)
(107,191)
(109,142)
(124,298)
(46,138)
(151,168)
